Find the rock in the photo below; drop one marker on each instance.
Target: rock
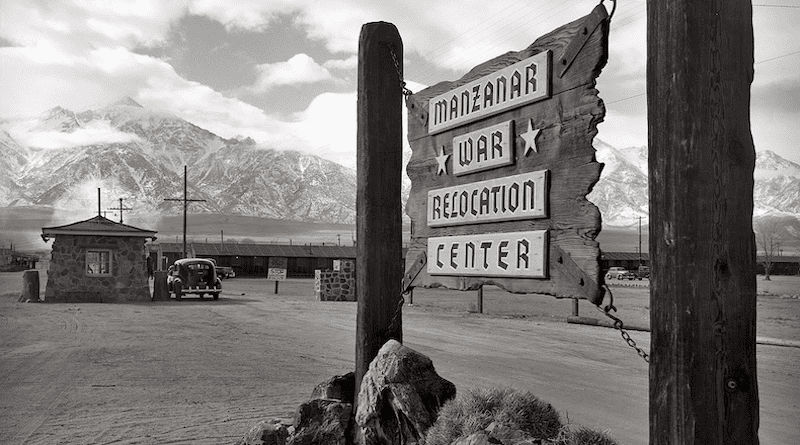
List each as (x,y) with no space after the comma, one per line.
(322,422)
(266,432)
(400,397)
(340,387)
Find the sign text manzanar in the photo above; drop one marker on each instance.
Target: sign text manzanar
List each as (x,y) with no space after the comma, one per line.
(523,82)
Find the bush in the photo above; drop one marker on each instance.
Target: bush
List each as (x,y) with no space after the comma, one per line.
(582,436)
(479,408)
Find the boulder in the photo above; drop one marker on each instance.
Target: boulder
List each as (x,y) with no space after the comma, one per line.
(322,422)
(400,397)
(266,432)
(340,387)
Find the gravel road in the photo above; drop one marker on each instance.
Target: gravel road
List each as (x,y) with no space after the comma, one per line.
(203,371)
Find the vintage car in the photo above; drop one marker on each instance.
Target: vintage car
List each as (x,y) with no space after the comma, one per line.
(616,273)
(194,276)
(225,272)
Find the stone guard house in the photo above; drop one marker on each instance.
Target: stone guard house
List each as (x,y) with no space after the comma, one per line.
(97,261)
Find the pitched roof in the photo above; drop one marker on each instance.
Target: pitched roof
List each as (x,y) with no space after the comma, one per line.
(99,226)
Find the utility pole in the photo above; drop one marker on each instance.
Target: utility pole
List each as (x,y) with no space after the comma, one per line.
(703,384)
(120,208)
(186,202)
(640,243)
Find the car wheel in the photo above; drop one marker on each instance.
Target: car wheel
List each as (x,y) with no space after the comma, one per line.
(177,289)
(216,295)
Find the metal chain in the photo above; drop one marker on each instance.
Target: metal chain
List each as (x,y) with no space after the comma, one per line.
(397,312)
(620,326)
(406,91)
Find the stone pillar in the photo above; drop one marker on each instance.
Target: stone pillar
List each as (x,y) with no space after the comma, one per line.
(30,286)
(160,290)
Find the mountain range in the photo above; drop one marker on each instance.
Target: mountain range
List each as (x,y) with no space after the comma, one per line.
(143,163)
(142,154)
(621,193)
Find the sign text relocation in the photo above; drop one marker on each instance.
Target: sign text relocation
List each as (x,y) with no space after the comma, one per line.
(508,198)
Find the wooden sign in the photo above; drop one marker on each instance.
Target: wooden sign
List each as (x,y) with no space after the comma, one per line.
(509,87)
(484,149)
(501,199)
(514,254)
(502,161)
(277,268)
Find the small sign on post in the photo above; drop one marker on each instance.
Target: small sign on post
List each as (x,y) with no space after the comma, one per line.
(276,270)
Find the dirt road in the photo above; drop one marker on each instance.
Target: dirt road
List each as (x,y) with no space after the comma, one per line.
(203,371)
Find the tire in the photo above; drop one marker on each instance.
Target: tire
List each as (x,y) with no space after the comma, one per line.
(177,289)
(216,295)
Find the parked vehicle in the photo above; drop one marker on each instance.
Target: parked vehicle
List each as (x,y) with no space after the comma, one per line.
(194,276)
(615,272)
(643,272)
(628,275)
(225,272)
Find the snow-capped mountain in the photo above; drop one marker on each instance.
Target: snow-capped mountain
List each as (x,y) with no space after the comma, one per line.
(141,156)
(138,154)
(621,193)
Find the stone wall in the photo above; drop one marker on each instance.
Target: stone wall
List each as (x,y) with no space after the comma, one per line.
(68,281)
(338,285)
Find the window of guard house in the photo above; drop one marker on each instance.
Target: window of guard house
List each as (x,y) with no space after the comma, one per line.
(98,262)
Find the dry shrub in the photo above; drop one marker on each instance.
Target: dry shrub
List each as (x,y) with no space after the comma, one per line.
(582,436)
(477,409)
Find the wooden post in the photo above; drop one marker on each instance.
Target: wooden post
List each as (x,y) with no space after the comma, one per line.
(703,385)
(574,307)
(378,203)
(30,286)
(479,301)
(276,287)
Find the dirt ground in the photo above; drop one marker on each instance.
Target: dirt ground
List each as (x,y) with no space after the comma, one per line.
(204,371)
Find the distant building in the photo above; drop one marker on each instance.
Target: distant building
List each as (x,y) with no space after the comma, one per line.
(11,260)
(97,260)
(252,260)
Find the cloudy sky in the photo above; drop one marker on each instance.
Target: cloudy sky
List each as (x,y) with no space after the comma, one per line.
(284,71)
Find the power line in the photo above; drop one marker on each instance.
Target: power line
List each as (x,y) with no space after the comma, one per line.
(778,6)
(778,57)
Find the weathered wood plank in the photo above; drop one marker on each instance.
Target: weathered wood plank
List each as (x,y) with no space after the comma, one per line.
(378,202)
(568,123)
(703,382)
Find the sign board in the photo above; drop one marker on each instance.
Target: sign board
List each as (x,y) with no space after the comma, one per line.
(506,198)
(507,254)
(509,87)
(502,161)
(277,268)
(484,149)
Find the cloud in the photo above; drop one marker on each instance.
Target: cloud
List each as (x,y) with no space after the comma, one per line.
(95,132)
(300,69)
(342,64)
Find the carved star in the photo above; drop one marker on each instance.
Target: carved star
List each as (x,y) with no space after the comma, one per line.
(530,138)
(442,161)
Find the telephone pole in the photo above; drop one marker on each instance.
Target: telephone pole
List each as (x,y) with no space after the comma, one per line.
(120,208)
(186,202)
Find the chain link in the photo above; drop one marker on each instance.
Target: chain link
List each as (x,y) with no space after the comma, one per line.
(406,91)
(620,326)
(396,316)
